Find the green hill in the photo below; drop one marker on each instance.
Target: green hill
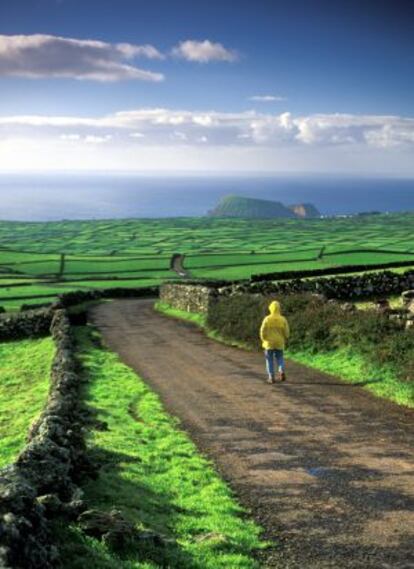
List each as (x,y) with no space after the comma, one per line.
(237,206)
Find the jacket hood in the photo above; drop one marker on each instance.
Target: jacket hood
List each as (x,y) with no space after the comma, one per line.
(274,308)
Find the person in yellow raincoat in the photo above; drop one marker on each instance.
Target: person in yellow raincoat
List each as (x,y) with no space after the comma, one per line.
(274,332)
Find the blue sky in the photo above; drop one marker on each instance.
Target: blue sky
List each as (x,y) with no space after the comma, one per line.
(299,85)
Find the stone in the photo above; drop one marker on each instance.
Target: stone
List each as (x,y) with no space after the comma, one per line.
(189,297)
(407,297)
(115,530)
(51,504)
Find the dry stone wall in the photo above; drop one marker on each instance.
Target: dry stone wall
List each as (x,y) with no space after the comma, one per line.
(78,296)
(37,322)
(28,324)
(189,297)
(42,481)
(197,297)
(366,285)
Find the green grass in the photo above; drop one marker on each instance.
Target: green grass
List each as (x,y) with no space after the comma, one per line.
(136,252)
(345,364)
(352,367)
(24,385)
(195,317)
(156,239)
(153,473)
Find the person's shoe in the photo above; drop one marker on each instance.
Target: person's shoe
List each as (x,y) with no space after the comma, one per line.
(271,380)
(282,376)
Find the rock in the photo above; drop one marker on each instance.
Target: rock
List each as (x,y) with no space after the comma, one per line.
(51,504)
(407,297)
(117,531)
(73,509)
(348,307)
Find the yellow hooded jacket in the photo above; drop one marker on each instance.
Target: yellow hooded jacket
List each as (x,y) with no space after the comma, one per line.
(274,330)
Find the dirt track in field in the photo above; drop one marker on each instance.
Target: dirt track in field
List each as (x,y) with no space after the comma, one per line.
(327,469)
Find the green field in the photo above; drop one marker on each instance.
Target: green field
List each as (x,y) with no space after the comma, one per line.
(137,252)
(24,385)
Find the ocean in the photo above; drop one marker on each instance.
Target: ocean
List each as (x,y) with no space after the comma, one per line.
(37,197)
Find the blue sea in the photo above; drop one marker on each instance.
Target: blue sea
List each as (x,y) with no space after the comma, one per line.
(38,197)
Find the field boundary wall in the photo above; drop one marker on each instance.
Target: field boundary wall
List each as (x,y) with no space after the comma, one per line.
(28,324)
(189,297)
(346,269)
(42,482)
(198,297)
(353,287)
(33,323)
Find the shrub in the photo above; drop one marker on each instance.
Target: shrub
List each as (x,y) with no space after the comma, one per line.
(238,317)
(318,326)
(313,322)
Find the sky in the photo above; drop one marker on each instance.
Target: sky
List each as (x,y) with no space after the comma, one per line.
(272,86)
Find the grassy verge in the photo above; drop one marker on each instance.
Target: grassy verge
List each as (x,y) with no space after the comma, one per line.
(24,385)
(195,317)
(353,368)
(153,473)
(344,363)
(200,320)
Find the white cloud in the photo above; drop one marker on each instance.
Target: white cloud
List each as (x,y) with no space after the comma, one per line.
(73,137)
(203,51)
(155,125)
(344,129)
(130,51)
(203,120)
(93,139)
(390,135)
(267,98)
(20,153)
(178,135)
(161,138)
(89,138)
(40,55)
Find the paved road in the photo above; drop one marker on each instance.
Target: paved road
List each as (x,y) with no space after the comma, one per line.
(326,468)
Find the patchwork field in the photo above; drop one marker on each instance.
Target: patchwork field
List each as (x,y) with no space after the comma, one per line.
(134,252)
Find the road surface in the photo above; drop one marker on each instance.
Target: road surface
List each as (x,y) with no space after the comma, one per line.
(326,468)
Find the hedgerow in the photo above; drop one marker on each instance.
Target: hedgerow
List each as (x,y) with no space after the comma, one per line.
(320,326)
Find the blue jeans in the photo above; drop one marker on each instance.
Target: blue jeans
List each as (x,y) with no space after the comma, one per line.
(270,356)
